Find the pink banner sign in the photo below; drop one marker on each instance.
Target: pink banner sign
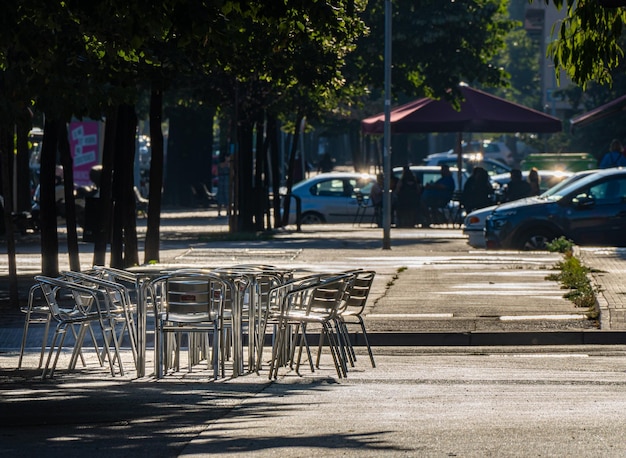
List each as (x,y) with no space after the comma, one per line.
(84,144)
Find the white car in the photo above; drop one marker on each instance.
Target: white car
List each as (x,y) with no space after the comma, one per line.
(426,174)
(333,197)
(474,226)
(488,149)
(470,161)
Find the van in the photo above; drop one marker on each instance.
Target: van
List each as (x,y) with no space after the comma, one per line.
(572,162)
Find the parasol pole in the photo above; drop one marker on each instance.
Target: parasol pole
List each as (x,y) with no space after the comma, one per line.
(387,133)
(459,159)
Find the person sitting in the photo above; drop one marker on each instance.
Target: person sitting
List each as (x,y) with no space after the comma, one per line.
(477,191)
(517,188)
(437,195)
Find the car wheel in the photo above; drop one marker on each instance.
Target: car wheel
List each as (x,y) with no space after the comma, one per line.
(312,218)
(536,239)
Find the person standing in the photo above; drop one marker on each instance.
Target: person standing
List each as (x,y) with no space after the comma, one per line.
(376,198)
(614,157)
(326,163)
(223,185)
(408,195)
(535,182)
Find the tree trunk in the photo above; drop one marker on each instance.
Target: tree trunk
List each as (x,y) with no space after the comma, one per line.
(189,155)
(124,234)
(272,135)
(103,235)
(23,184)
(259,189)
(291,168)
(156,178)
(47,202)
(70,203)
(6,151)
(243,170)
(129,207)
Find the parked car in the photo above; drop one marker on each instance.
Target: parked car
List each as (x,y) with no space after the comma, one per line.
(430,173)
(332,197)
(470,161)
(486,149)
(474,223)
(548,178)
(588,211)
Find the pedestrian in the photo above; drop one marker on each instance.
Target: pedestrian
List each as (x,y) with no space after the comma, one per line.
(535,182)
(223,185)
(517,188)
(407,198)
(326,163)
(478,191)
(614,157)
(376,198)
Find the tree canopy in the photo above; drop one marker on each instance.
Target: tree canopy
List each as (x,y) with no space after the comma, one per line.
(258,61)
(587,45)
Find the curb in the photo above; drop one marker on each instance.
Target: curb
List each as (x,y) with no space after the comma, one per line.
(503,338)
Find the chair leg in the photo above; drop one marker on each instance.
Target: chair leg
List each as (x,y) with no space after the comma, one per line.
(303,343)
(369,349)
(27,323)
(55,348)
(343,337)
(340,367)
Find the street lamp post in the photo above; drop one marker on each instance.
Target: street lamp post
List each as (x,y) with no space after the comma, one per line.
(387,132)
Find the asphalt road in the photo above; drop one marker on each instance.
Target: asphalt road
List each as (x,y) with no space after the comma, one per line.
(416,402)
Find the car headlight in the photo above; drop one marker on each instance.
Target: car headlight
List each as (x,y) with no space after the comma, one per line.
(497,220)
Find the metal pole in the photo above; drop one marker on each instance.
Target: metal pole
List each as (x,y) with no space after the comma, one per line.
(387,133)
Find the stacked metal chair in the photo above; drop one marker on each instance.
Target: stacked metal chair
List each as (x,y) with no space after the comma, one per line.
(74,304)
(312,300)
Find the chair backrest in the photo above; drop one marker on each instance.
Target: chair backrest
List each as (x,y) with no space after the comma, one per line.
(187,296)
(323,299)
(359,291)
(277,296)
(115,296)
(68,301)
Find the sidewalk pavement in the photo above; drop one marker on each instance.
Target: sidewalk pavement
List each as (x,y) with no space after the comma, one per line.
(438,302)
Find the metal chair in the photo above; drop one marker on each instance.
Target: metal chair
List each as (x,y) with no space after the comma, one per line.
(312,300)
(191,304)
(36,313)
(118,301)
(363,205)
(71,304)
(358,293)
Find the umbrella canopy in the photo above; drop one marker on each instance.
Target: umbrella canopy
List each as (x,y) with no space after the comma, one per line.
(479,112)
(603,111)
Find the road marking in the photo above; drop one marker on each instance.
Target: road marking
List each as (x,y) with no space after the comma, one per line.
(540,355)
(542,317)
(411,315)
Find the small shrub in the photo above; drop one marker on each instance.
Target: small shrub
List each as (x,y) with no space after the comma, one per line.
(560,245)
(573,275)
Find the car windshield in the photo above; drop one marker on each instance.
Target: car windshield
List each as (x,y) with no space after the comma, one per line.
(560,189)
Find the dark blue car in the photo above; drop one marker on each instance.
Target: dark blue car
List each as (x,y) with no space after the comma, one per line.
(589,211)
